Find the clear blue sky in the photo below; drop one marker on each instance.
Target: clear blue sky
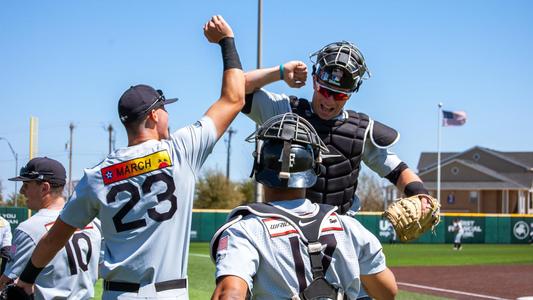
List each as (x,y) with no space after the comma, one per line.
(69,61)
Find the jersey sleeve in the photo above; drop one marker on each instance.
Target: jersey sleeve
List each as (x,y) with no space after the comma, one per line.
(6,236)
(369,250)
(265,105)
(196,141)
(380,160)
(235,255)
(21,251)
(82,207)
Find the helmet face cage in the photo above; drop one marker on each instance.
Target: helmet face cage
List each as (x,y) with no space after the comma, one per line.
(290,135)
(340,57)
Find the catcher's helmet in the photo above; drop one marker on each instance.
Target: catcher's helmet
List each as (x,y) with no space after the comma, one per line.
(340,66)
(290,153)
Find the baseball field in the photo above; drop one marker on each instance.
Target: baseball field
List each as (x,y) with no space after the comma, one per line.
(432,271)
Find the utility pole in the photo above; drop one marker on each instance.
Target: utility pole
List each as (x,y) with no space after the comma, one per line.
(110,131)
(230,133)
(258,186)
(71,127)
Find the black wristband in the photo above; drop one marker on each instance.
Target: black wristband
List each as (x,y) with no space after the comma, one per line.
(230,57)
(30,273)
(394,175)
(415,188)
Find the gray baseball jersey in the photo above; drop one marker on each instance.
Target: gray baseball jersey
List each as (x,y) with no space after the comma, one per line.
(267,104)
(270,256)
(143,195)
(5,233)
(72,273)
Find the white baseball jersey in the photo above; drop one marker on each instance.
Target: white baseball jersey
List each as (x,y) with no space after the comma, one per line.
(458,227)
(72,273)
(270,256)
(143,195)
(266,104)
(5,233)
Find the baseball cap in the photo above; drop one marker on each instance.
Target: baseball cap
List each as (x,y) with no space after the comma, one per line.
(138,100)
(43,169)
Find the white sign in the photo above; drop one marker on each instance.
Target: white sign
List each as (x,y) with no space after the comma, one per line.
(469,228)
(521,230)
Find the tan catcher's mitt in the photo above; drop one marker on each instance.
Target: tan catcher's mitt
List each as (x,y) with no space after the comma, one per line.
(407,218)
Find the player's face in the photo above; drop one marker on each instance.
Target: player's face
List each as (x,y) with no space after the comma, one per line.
(324,103)
(162,123)
(32,190)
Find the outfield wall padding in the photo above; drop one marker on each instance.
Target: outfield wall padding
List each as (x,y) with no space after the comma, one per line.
(478,228)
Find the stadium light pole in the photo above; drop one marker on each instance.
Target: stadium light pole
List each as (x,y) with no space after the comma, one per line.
(258,186)
(16,167)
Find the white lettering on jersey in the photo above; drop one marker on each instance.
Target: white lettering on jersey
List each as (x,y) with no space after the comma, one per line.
(278,227)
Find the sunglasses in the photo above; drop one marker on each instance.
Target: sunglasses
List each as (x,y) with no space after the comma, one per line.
(327,92)
(33,175)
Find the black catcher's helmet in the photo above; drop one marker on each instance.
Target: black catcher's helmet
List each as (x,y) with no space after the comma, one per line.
(340,66)
(290,152)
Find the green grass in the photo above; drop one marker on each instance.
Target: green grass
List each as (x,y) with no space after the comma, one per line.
(442,255)
(202,270)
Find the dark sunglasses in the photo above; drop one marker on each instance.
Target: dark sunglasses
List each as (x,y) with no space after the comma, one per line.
(33,175)
(160,98)
(326,92)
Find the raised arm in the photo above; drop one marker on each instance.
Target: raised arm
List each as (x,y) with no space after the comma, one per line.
(294,73)
(231,100)
(44,252)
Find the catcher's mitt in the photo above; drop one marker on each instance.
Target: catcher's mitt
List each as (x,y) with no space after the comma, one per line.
(407,218)
(13,292)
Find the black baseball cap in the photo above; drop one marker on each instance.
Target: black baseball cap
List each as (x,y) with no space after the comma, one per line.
(43,169)
(138,100)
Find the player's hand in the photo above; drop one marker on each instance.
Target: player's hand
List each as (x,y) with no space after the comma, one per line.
(28,288)
(217,29)
(425,205)
(295,73)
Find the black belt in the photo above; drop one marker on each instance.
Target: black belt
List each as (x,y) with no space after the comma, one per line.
(134,287)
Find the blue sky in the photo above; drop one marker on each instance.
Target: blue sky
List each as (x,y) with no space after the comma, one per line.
(69,61)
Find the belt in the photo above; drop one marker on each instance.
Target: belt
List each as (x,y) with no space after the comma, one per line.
(134,287)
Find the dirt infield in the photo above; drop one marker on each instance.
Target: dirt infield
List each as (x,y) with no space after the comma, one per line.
(468,282)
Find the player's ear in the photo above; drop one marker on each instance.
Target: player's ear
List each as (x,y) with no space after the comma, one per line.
(45,188)
(153,115)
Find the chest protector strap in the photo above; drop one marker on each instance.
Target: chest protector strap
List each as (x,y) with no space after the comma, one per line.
(319,288)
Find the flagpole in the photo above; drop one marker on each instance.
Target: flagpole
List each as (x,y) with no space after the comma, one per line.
(439,125)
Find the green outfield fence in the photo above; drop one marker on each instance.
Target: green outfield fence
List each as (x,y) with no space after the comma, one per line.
(14,215)
(478,228)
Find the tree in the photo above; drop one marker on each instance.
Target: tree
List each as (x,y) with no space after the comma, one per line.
(213,190)
(370,192)
(247,188)
(21,200)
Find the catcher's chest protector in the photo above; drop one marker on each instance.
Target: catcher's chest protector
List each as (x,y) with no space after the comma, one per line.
(337,183)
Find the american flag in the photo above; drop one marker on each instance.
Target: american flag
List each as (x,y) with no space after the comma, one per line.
(453,118)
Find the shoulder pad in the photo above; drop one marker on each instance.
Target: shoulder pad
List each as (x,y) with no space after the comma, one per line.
(382,136)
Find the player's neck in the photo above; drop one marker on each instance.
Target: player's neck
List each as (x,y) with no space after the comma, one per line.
(283,194)
(53,203)
(142,137)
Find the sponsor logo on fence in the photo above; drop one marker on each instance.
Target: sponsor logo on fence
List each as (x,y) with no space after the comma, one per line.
(469,227)
(521,230)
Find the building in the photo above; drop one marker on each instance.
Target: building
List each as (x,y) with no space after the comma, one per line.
(481,180)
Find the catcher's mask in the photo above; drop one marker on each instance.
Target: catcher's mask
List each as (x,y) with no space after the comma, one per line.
(290,152)
(340,66)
